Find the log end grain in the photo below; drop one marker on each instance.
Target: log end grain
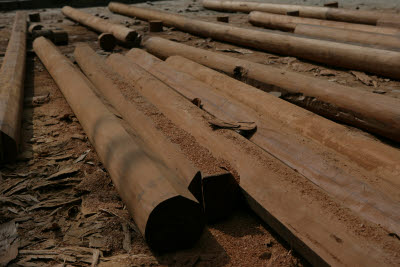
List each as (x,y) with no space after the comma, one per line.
(8,148)
(176,223)
(155,26)
(223,19)
(295,13)
(60,37)
(332,4)
(107,41)
(34,17)
(35,27)
(220,193)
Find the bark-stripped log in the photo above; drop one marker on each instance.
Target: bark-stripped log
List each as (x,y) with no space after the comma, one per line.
(121,33)
(167,214)
(381,41)
(297,152)
(389,22)
(339,14)
(368,59)
(104,79)
(288,23)
(12,74)
(375,113)
(270,187)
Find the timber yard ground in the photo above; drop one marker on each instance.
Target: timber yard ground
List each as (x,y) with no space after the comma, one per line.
(67,221)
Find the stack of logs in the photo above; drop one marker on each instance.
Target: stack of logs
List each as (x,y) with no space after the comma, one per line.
(169,197)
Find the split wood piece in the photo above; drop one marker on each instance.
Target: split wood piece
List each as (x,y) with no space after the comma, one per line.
(328,13)
(388,22)
(107,41)
(223,19)
(382,62)
(288,23)
(12,74)
(167,215)
(121,33)
(34,17)
(216,191)
(349,36)
(34,27)
(272,189)
(155,26)
(330,173)
(381,159)
(332,4)
(99,74)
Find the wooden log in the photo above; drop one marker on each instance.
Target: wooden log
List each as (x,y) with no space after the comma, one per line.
(155,26)
(34,27)
(270,187)
(217,191)
(121,33)
(298,152)
(389,22)
(288,23)
(12,74)
(375,113)
(106,41)
(60,37)
(328,13)
(34,17)
(104,79)
(167,214)
(331,135)
(349,36)
(382,62)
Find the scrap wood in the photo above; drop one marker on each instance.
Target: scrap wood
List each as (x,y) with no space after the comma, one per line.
(364,78)
(82,157)
(235,50)
(68,254)
(8,242)
(54,203)
(239,125)
(65,171)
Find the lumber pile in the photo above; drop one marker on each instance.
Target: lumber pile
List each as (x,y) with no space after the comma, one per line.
(211,134)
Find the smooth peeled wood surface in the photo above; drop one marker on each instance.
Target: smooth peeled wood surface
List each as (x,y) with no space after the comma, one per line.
(147,187)
(12,75)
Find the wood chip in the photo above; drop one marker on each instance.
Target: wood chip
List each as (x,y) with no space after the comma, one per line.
(8,242)
(364,78)
(242,126)
(66,171)
(82,157)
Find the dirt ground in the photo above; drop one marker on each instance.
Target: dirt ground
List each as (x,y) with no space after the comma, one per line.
(64,205)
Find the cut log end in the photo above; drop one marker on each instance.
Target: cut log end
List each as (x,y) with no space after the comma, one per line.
(8,148)
(174,224)
(107,41)
(131,37)
(332,4)
(35,27)
(220,193)
(223,19)
(34,17)
(295,13)
(155,26)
